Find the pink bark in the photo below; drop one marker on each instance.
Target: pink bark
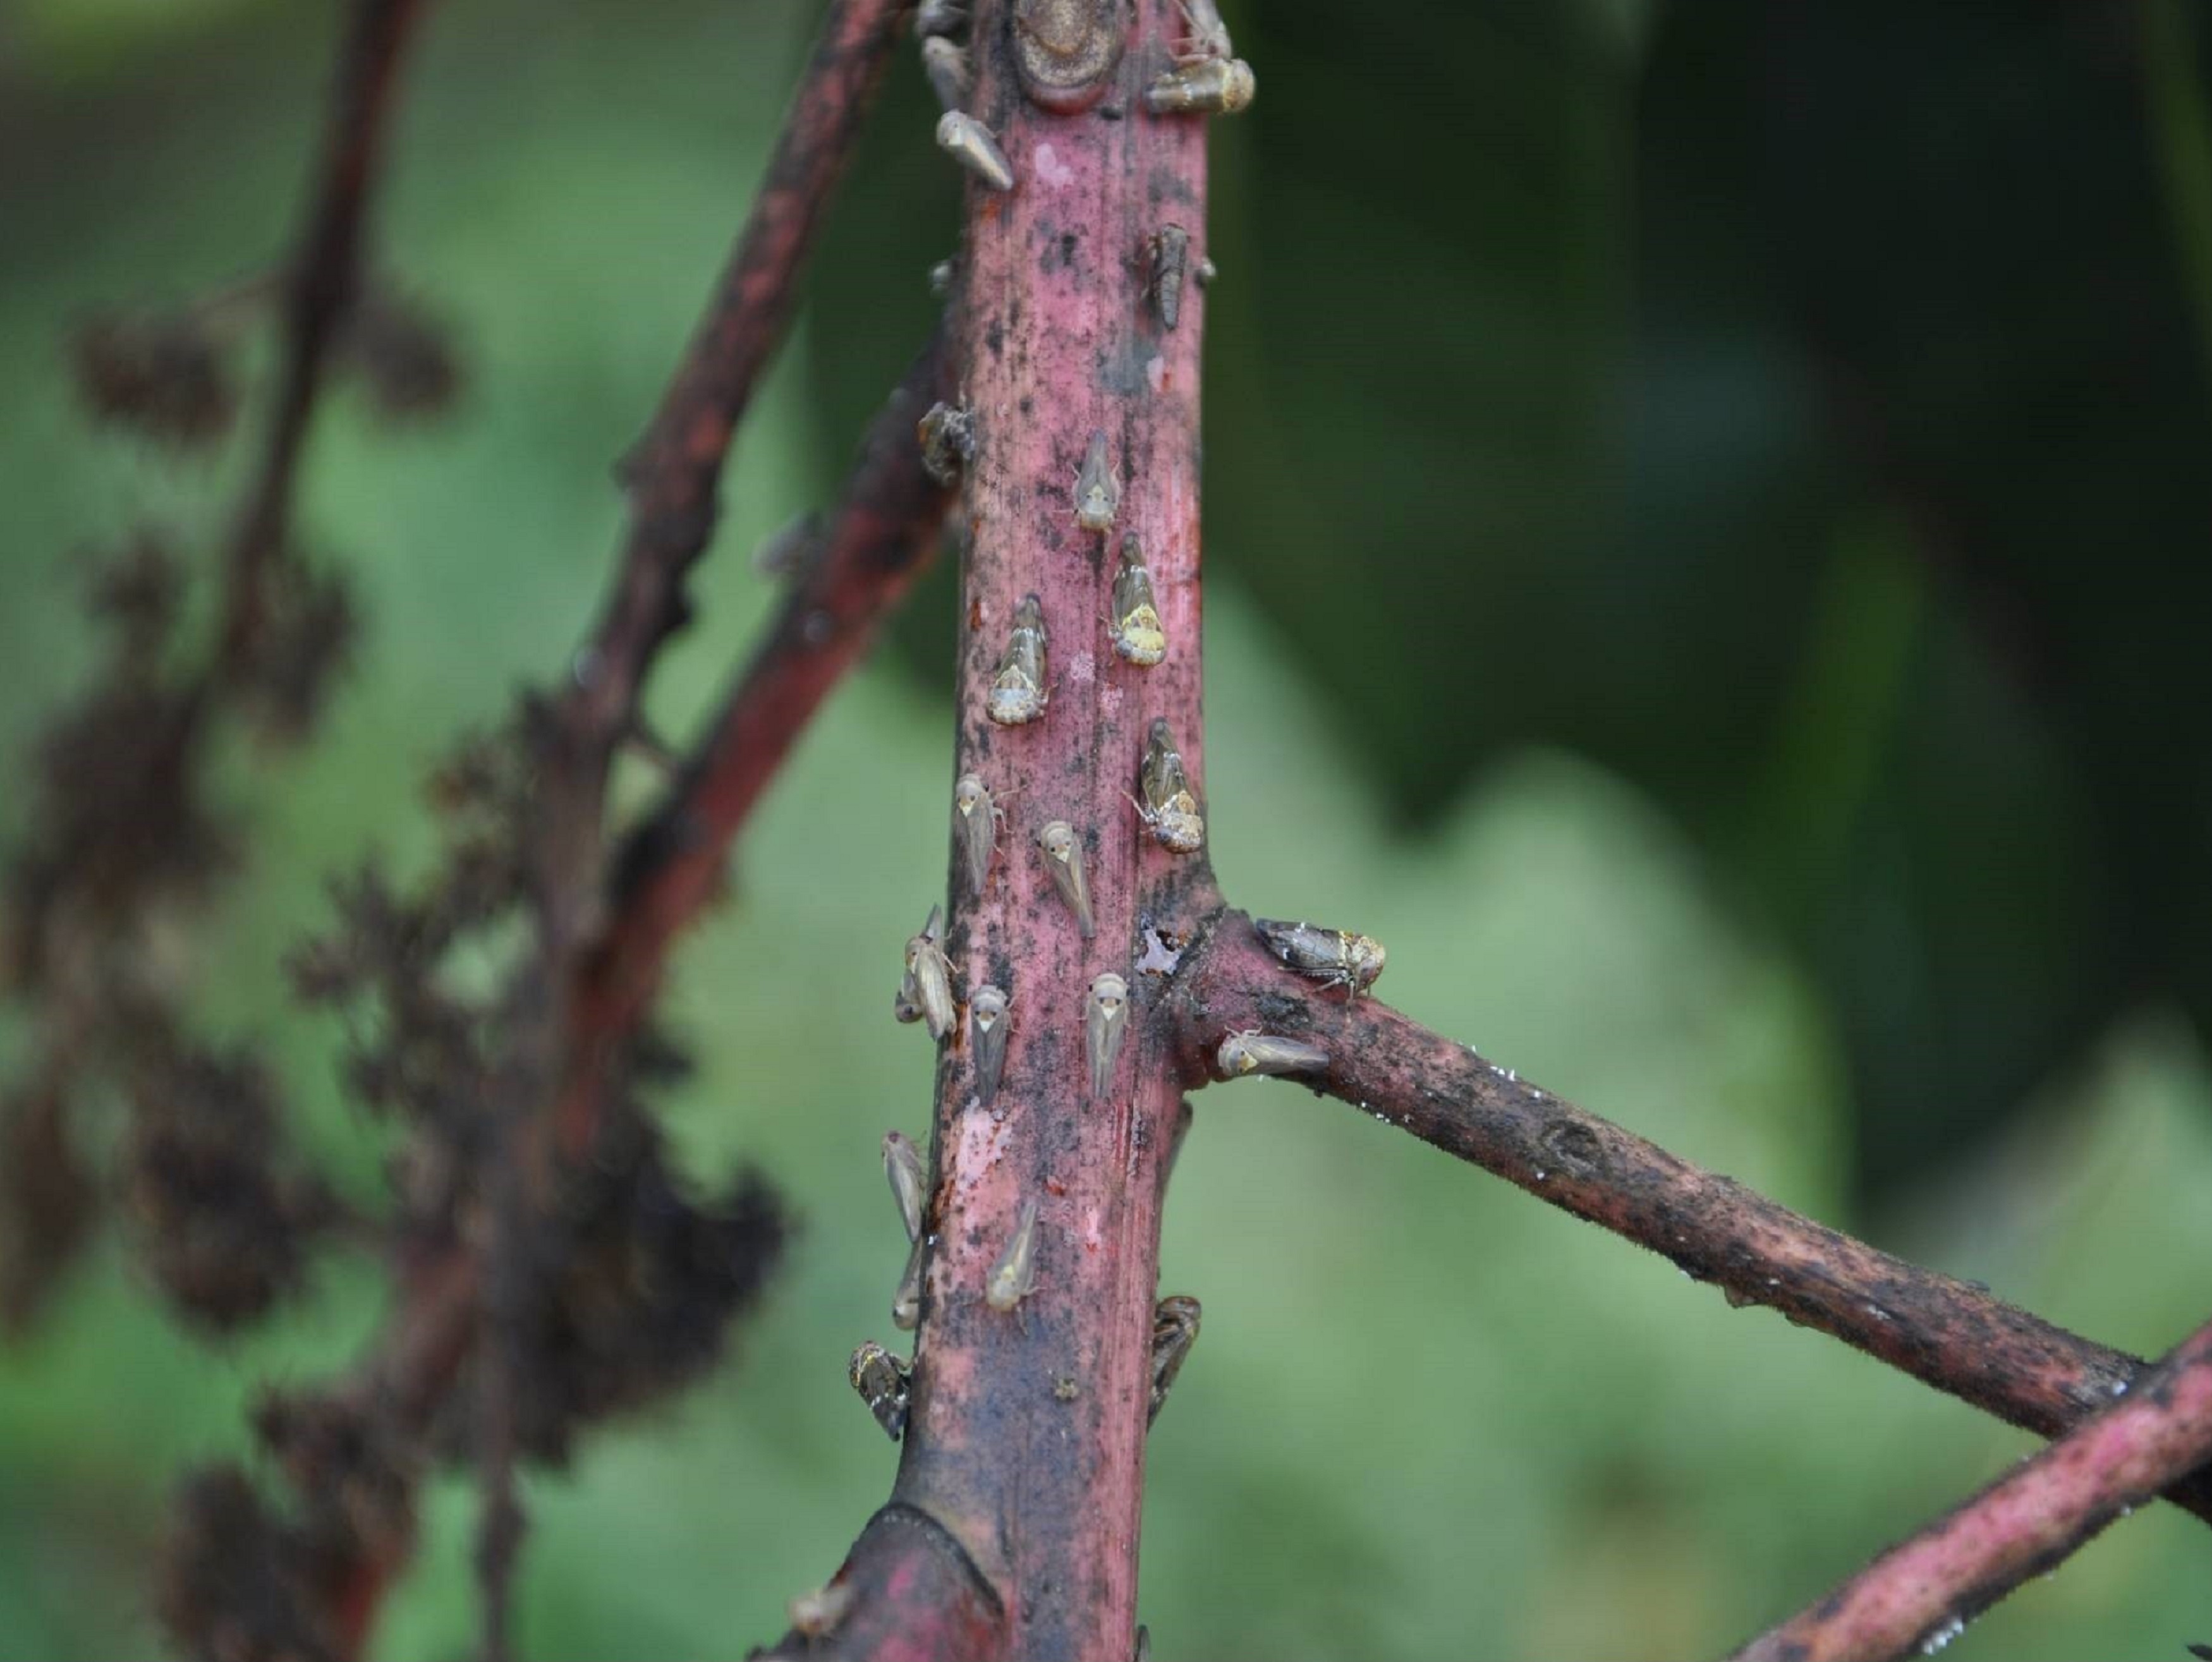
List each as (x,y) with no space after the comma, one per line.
(1917,1596)
(1026,1441)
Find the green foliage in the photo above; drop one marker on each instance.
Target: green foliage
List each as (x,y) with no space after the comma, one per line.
(1646,712)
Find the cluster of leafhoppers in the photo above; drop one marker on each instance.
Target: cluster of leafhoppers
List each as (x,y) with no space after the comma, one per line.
(1065,56)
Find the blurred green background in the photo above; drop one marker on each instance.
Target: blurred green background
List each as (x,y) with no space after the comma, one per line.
(1709,504)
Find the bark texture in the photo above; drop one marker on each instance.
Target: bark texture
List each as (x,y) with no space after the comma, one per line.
(1935,1327)
(1026,1439)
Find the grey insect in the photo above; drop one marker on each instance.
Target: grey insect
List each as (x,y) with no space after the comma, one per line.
(1018,691)
(818,1613)
(1208,37)
(1014,1278)
(1175,1330)
(928,984)
(1171,246)
(1335,957)
(946,63)
(1242,1054)
(939,17)
(1212,86)
(989,1022)
(906,1302)
(1105,1024)
(902,1168)
(1137,633)
(976,816)
(942,276)
(1063,861)
(791,549)
(1097,487)
(947,434)
(881,1380)
(1169,806)
(971,144)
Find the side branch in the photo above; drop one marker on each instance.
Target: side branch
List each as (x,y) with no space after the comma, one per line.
(1941,1331)
(881,537)
(673,474)
(1918,1595)
(320,283)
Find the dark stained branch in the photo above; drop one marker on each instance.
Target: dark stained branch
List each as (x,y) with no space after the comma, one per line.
(446,1318)
(1939,1330)
(321,281)
(881,537)
(673,474)
(1918,1595)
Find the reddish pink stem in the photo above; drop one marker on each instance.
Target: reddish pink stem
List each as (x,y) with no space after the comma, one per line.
(1025,1446)
(1919,1596)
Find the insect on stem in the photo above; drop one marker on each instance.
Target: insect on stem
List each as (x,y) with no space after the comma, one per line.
(1137,634)
(1063,860)
(1097,487)
(1018,692)
(1105,1021)
(1335,957)
(971,144)
(1169,806)
(927,987)
(1014,1278)
(989,1023)
(1254,1051)
(1175,1330)
(882,1381)
(975,819)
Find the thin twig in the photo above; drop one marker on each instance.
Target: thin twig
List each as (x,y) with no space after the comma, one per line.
(1919,1595)
(415,1360)
(320,282)
(672,479)
(674,473)
(1939,1330)
(880,538)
